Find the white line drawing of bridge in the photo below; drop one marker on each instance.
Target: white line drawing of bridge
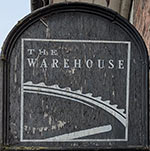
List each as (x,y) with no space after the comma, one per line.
(86,99)
(77,96)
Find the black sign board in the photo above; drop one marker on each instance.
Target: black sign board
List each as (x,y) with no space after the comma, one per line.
(75,76)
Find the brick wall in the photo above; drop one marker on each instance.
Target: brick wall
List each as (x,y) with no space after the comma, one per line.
(142,20)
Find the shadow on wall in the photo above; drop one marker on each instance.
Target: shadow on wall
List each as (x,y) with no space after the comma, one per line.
(122,7)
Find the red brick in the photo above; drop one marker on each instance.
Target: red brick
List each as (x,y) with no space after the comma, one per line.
(142,20)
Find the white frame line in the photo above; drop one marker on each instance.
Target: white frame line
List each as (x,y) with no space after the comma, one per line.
(127,89)
(78,140)
(22,93)
(77,41)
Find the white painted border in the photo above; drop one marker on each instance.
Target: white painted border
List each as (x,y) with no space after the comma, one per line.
(75,41)
(22,93)
(77,140)
(127,89)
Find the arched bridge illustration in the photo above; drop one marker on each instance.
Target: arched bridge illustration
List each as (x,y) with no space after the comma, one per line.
(77,96)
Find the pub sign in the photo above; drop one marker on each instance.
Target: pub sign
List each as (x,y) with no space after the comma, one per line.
(75,77)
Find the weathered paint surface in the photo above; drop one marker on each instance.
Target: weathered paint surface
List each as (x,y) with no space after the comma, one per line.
(77,84)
